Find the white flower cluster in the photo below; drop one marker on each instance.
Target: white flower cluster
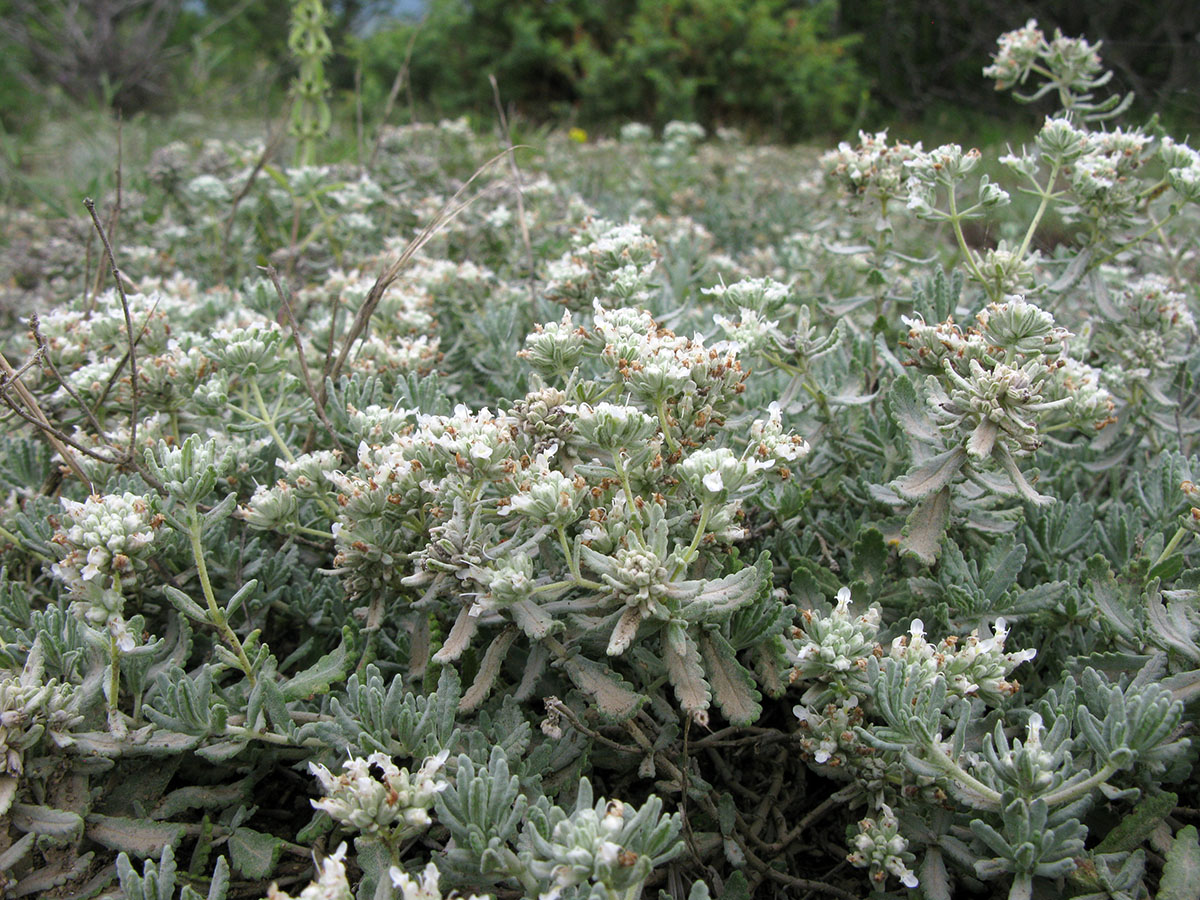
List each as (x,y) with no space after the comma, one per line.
(1183,168)
(331,883)
(609,264)
(636,133)
(272,508)
(880,847)
(1103,179)
(751,332)
(828,738)
(425,887)
(395,805)
(832,650)
(639,578)
(1006,379)
(208,190)
(547,496)
(764,296)
(76,335)
(610,426)
(1027,764)
(507,582)
(718,473)
(873,167)
(942,169)
(554,349)
(657,365)
(1018,52)
(976,666)
(249,349)
(839,642)
(1152,304)
(769,441)
(107,540)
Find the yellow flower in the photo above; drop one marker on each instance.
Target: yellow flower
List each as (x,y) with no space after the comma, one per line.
(578,135)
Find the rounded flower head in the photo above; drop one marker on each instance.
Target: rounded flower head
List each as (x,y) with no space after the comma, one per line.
(396,802)
(880,847)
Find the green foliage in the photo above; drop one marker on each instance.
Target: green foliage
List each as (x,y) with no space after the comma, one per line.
(309,46)
(769,65)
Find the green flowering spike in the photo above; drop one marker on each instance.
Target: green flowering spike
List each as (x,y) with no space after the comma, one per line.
(310,46)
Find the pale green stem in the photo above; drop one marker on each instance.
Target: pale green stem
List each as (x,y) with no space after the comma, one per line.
(327,221)
(268,422)
(1157,226)
(1154,190)
(572,566)
(553,586)
(672,444)
(241,732)
(1075,791)
(1047,194)
(689,554)
(1022,886)
(954,770)
(786,366)
(1171,546)
(215,614)
(314,532)
(114,675)
(619,465)
(968,254)
(12,538)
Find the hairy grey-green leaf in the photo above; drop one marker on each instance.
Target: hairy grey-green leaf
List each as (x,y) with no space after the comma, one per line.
(185,604)
(908,412)
(329,669)
(1017,477)
(684,668)
(137,837)
(612,697)
(532,619)
(253,853)
(1136,826)
(1181,871)
(932,475)
(18,851)
(489,668)
(732,686)
(217,796)
(41,881)
(46,820)
(459,638)
(926,526)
